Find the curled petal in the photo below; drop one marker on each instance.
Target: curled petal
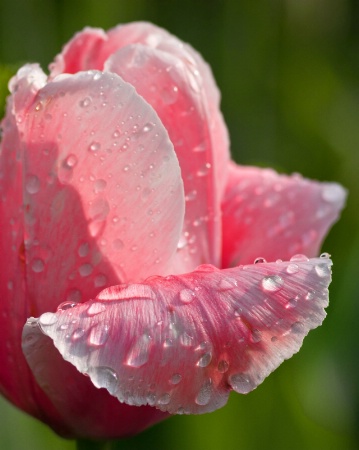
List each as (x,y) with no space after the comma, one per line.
(275,216)
(182,343)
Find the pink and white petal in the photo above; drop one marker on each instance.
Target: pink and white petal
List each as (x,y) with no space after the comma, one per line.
(275,216)
(80,53)
(182,343)
(94,413)
(170,87)
(102,186)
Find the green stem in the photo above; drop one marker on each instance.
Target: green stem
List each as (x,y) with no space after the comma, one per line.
(83,444)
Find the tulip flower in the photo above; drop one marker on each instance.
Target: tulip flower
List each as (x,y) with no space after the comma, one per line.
(134,280)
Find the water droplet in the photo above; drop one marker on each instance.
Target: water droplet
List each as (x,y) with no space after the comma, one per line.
(205,360)
(32,184)
(77,334)
(186,340)
(273,283)
(66,305)
(96,308)
(48,319)
(186,295)
(85,102)
(147,127)
(139,352)
(94,147)
(99,186)
(256,336)
(333,193)
(205,393)
(97,76)
(164,400)
(83,250)
(292,268)
(71,161)
(85,270)
(98,334)
(260,260)
(299,258)
(310,295)
(204,170)
(223,366)
(38,265)
(226,284)
(104,377)
(241,383)
(100,280)
(325,255)
(199,148)
(175,378)
(322,270)
(297,328)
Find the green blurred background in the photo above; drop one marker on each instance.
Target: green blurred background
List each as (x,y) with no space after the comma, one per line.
(289,75)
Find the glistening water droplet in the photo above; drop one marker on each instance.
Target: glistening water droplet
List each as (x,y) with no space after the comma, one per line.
(272,283)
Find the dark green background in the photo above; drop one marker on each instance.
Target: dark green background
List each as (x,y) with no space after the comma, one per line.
(289,75)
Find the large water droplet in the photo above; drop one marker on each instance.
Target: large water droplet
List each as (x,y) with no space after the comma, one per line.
(241,383)
(223,366)
(299,258)
(37,265)
(164,399)
(66,305)
(205,393)
(94,147)
(83,249)
(71,161)
(260,260)
(85,102)
(32,184)
(292,268)
(175,378)
(100,280)
(273,283)
(85,270)
(48,319)
(139,352)
(205,360)
(186,295)
(333,193)
(104,377)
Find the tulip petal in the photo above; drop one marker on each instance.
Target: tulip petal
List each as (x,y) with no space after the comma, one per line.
(182,343)
(275,216)
(100,160)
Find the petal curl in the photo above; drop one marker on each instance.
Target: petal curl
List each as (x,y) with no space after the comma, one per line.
(98,162)
(182,343)
(275,216)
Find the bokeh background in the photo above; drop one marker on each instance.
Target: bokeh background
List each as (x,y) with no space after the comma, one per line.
(289,75)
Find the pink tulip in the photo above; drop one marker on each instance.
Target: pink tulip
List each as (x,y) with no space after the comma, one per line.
(129,233)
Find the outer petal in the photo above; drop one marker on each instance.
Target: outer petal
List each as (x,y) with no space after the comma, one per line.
(275,216)
(100,160)
(183,343)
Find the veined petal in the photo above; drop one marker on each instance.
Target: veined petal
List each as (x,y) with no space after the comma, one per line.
(275,216)
(182,343)
(102,186)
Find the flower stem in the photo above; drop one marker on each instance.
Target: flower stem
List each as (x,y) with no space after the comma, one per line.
(84,444)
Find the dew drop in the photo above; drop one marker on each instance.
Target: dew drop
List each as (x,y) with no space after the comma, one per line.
(99,186)
(85,102)
(273,283)
(104,377)
(77,334)
(83,249)
(223,366)
(325,255)
(100,280)
(147,127)
(186,340)
(96,308)
(205,360)
(48,319)
(297,328)
(256,336)
(175,378)
(164,399)
(322,270)
(71,161)
(241,383)
(98,335)
(186,295)
(205,393)
(260,260)
(85,270)
(299,258)
(292,268)
(32,184)
(66,305)
(204,170)
(94,147)
(139,352)
(38,265)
